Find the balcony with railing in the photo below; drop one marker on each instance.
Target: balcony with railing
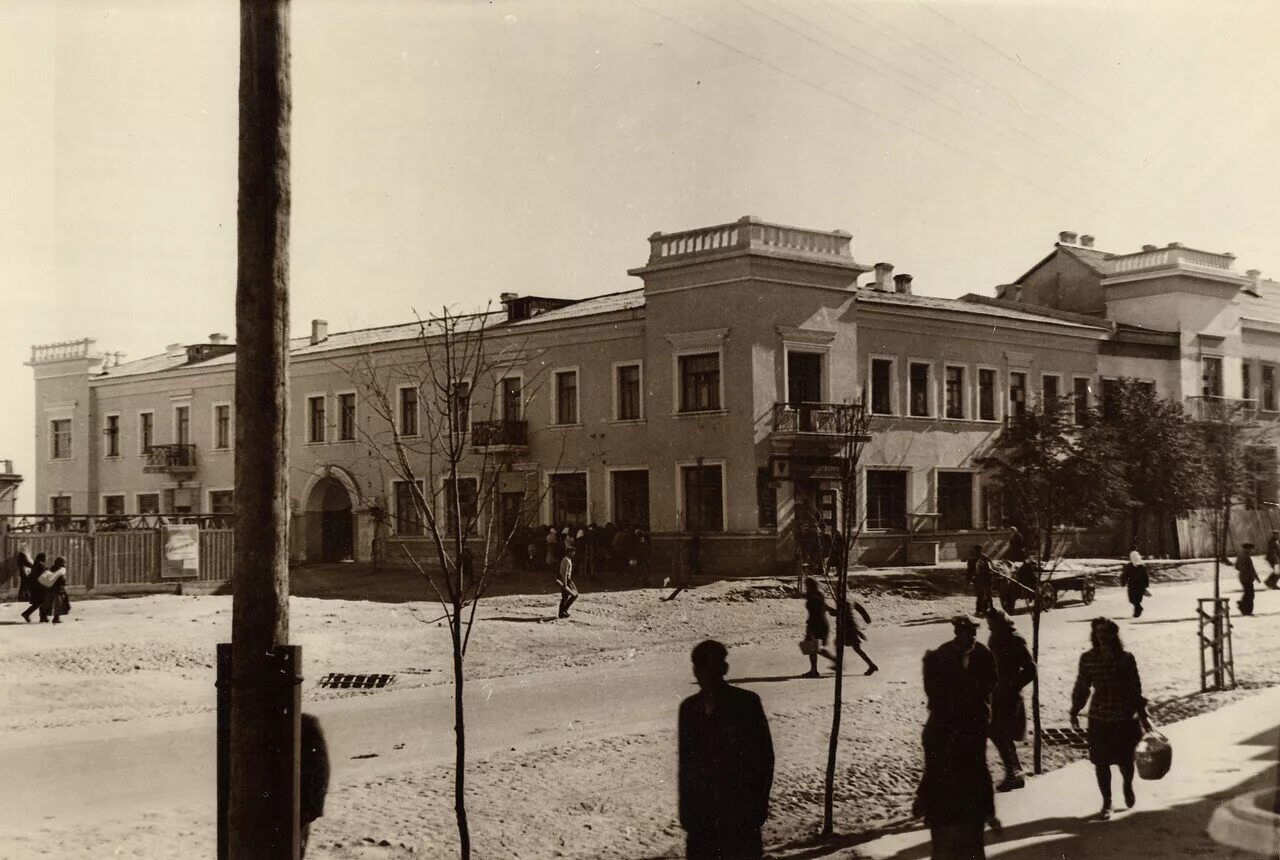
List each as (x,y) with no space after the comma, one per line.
(1213,409)
(816,427)
(499,434)
(171,459)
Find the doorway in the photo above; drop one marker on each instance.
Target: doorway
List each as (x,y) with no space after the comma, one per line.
(330,525)
(804,385)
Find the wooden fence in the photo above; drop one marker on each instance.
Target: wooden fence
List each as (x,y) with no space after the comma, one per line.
(117,560)
(1195,531)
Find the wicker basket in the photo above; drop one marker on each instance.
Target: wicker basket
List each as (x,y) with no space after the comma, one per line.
(1154,755)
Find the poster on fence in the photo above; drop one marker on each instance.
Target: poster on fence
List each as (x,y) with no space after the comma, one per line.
(180,556)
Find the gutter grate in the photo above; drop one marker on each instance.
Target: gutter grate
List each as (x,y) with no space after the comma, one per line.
(335,681)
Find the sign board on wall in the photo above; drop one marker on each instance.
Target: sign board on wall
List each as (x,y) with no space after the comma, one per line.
(180,551)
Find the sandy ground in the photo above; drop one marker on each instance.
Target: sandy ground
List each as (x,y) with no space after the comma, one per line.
(600,785)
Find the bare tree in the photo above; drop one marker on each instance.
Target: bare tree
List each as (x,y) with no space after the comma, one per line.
(450,473)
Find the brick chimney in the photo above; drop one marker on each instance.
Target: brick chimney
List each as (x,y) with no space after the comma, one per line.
(902,284)
(319,331)
(1086,241)
(218,338)
(1066,237)
(1150,248)
(883,271)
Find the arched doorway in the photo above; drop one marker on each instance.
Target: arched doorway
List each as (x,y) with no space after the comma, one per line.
(330,522)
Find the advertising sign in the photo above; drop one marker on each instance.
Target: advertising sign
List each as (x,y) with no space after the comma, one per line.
(180,551)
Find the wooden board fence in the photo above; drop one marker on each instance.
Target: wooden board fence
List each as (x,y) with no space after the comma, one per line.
(1195,531)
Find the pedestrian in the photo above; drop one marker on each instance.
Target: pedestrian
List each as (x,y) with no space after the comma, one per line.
(1016,551)
(1273,559)
(978,573)
(816,628)
(640,548)
(725,763)
(568,591)
(314,782)
(1117,709)
(692,565)
(955,796)
(1248,576)
(1134,577)
(836,556)
(23,562)
(53,591)
(621,550)
(853,635)
(531,550)
(549,559)
(1014,670)
(35,593)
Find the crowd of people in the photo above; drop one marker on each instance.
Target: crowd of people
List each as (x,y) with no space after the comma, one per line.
(607,549)
(43,586)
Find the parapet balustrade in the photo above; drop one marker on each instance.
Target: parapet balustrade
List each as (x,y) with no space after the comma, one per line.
(746,233)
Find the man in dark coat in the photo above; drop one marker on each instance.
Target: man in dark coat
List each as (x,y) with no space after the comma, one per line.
(1014,670)
(978,572)
(726,763)
(955,796)
(1248,576)
(1134,577)
(314,777)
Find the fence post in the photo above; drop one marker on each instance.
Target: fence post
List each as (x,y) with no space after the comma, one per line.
(4,551)
(91,537)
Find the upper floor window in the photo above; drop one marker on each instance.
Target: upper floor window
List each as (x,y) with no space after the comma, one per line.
(222,426)
(182,425)
(60,439)
(955,392)
(315,418)
(460,406)
(987,394)
(146,431)
(628,381)
(881,386)
(346,416)
(408,411)
(1017,394)
(1080,399)
(567,397)
(112,434)
(1246,382)
(512,398)
(1268,388)
(1211,376)
(918,382)
(699,382)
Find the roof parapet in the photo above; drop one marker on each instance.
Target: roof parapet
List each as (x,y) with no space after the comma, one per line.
(746,234)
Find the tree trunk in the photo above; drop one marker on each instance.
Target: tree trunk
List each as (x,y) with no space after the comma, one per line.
(1036,739)
(262,815)
(828,805)
(460,740)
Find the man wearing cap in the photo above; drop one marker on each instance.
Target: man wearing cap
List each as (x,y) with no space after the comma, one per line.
(1248,576)
(955,796)
(1273,559)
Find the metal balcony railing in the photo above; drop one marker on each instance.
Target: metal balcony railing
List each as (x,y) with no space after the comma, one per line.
(1218,409)
(822,419)
(491,434)
(172,459)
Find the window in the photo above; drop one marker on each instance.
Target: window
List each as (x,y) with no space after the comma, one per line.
(1017,394)
(461,496)
(1080,399)
(148,503)
(346,417)
(631,498)
(992,507)
(881,386)
(113,505)
(315,418)
(146,431)
(408,520)
(628,381)
(918,389)
(568,492)
(703,499)
(1050,391)
(409,412)
(222,426)
(955,500)
(460,407)
(955,392)
(60,507)
(987,394)
(1110,400)
(1260,477)
(512,395)
(1211,376)
(182,425)
(112,434)
(60,439)
(887,499)
(699,382)
(222,501)
(567,397)
(766,499)
(1246,383)
(1268,388)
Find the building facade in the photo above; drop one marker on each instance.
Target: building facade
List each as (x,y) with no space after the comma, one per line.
(709,399)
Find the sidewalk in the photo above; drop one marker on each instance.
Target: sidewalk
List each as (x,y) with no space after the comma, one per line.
(1216,757)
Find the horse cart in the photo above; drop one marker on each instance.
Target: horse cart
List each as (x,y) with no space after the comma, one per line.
(1027,582)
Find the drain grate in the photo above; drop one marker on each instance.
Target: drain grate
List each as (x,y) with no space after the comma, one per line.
(1065,737)
(335,681)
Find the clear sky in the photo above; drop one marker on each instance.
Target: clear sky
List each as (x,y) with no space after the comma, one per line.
(444,152)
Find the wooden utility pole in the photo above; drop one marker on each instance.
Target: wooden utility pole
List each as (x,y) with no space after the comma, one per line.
(259,769)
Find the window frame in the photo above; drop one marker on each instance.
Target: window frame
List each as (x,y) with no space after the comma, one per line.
(824,367)
(1088,397)
(677,381)
(517,374)
(612,514)
(178,407)
(208,499)
(1220,376)
(137,507)
(966,410)
(1010,412)
(997,414)
(355,413)
(143,448)
(466,419)
(102,504)
(443,507)
(931,395)
(310,399)
(1057,377)
(893,384)
(54,498)
(864,497)
(707,462)
(417,410)
(546,493)
(1268,392)
(116,437)
(213,428)
(637,363)
(577,396)
(54,449)
(395,507)
(973,474)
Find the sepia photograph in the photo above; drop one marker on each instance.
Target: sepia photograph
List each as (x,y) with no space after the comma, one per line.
(640,429)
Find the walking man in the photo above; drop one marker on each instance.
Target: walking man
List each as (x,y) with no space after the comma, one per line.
(1134,577)
(568,591)
(1014,670)
(726,763)
(978,572)
(1273,559)
(1248,576)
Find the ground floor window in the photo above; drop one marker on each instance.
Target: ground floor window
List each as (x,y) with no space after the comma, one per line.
(408,518)
(955,500)
(631,498)
(463,496)
(113,506)
(992,507)
(568,498)
(148,503)
(703,498)
(222,502)
(766,499)
(887,499)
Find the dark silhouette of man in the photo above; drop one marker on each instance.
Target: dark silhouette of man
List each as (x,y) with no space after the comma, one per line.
(726,763)
(978,572)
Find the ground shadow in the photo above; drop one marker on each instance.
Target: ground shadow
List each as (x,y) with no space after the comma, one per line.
(772,679)
(521,619)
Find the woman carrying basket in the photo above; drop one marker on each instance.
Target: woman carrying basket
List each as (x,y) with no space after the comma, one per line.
(1108,675)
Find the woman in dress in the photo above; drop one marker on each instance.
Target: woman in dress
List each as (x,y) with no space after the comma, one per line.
(1108,680)
(816,628)
(53,587)
(35,595)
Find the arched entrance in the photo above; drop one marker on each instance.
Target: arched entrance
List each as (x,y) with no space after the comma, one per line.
(330,521)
